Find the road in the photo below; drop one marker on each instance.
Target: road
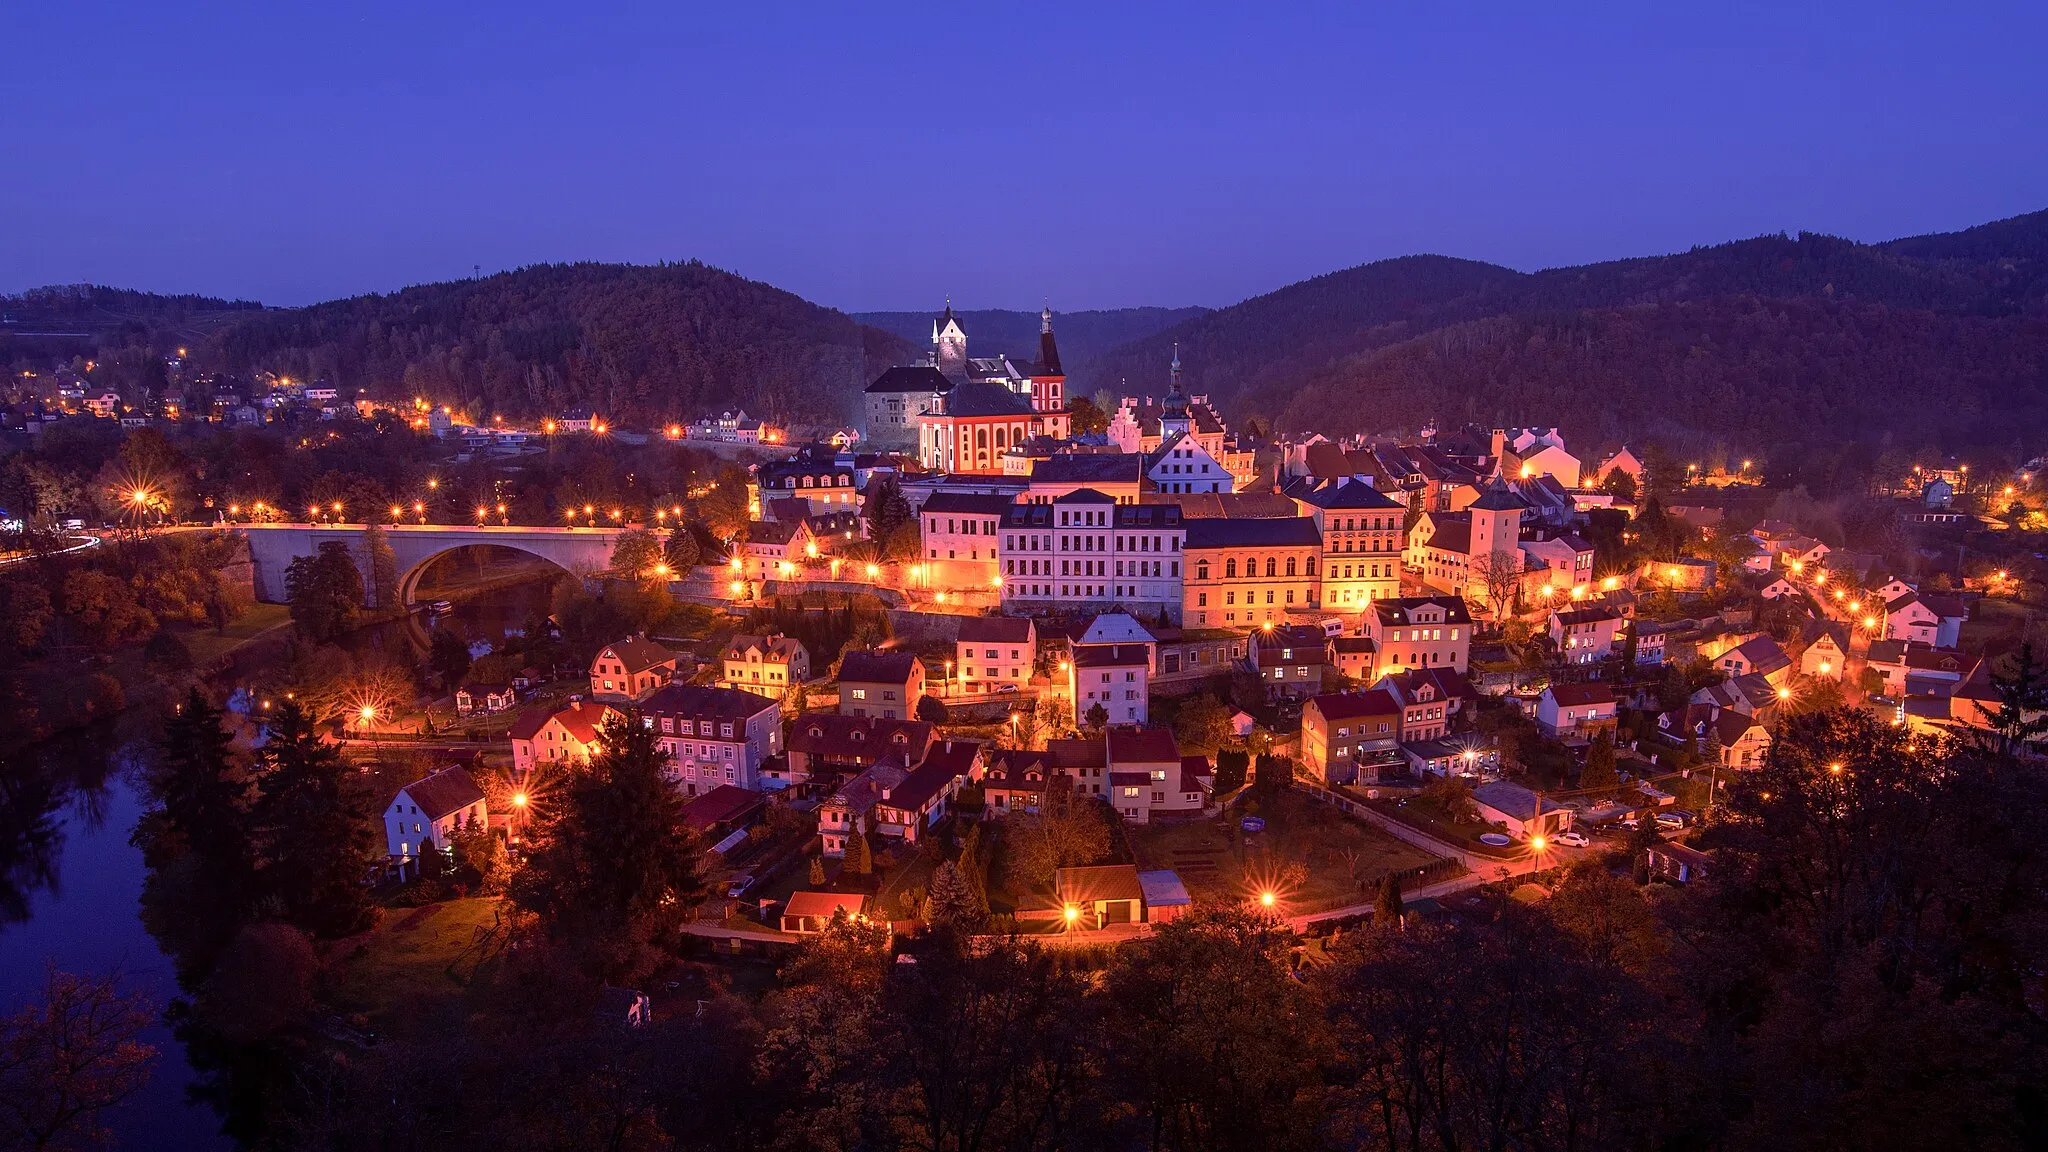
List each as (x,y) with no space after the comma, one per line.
(82,545)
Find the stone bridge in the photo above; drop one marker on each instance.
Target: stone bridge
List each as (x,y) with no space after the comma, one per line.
(272,548)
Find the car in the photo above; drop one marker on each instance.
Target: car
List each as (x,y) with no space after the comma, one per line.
(1573,839)
(1005,687)
(739,886)
(1670,821)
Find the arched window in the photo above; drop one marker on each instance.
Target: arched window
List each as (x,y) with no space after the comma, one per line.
(1290,565)
(981,437)
(1270,566)
(1000,434)
(1311,565)
(1230,569)
(1202,570)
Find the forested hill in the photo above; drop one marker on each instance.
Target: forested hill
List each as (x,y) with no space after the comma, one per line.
(1932,340)
(81,317)
(640,343)
(1082,335)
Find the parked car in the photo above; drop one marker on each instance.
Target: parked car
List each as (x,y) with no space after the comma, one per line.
(739,885)
(1670,822)
(1573,839)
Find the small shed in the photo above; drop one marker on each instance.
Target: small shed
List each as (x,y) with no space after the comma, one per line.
(1100,895)
(1166,898)
(1678,863)
(808,913)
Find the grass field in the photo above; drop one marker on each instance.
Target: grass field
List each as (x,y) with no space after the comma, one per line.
(416,954)
(208,645)
(1311,855)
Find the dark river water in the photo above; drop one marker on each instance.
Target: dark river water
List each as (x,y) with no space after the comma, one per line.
(70,882)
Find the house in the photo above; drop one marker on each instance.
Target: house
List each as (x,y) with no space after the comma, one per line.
(1420,632)
(1826,651)
(1520,812)
(809,913)
(630,669)
(1242,573)
(1083,761)
(715,736)
(1678,863)
(1587,635)
(1351,737)
(476,697)
(959,534)
(1166,898)
(1556,568)
(567,736)
(1430,700)
(1751,694)
(1758,656)
(907,809)
(1148,777)
(1115,677)
(884,684)
(765,665)
(825,745)
(1464,553)
(1924,619)
(428,813)
(1086,550)
(1098,896)
(1015,780)
(1290,660)
(1354,657)
(994,654)
(1625,461)
(1363,536)
(1467,754)
(849,811)
(773,549)
(1908,668)
(1575,709)
(1650,637)
(1778,589)
(1740,736)
(1182,464)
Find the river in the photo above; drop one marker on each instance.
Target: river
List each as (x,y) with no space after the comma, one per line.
(71,883)
(65,852)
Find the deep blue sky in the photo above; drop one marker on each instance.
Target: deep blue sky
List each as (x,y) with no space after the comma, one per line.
(882,155)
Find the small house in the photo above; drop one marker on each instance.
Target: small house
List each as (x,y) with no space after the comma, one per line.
(478,698)
(428,813)
(808,913)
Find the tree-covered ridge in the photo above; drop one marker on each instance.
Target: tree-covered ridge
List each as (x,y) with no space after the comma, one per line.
(1265,352)
(642,344)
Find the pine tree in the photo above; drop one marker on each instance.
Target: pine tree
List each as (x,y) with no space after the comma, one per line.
(973,867)
(314,830)
(614,870)
(952,900)
(1387,910)
(860,860)
(1231,764)
(1600,772)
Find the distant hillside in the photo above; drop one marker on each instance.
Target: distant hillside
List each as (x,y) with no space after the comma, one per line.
(1931,340)
(642,344)
(66,318)
(1082,335)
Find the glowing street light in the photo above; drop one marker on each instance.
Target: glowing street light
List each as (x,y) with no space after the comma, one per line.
(1267,899)
(519,799)
(1072,914)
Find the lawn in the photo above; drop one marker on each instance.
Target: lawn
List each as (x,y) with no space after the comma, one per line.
(1312,855)
(208,645)
(428,953)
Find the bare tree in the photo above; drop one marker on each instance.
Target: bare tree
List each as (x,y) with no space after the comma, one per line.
(1500,573)
(68,1059)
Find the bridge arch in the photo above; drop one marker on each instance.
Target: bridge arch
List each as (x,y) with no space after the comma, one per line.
(410,575)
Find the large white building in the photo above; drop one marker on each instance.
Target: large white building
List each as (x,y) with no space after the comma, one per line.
(1085,550)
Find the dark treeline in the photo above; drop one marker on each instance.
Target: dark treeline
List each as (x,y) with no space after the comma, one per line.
(1861,968)
(1325,331)
(640,344)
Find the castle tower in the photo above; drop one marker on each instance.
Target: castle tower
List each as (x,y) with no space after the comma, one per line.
(1048,379)
(1173,414)
(949,346)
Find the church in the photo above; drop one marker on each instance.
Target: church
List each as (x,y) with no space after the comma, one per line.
(963,412)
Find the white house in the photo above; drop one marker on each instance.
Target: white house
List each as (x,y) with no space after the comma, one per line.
(1116,676)
(994,654)
(1183,465)
(1564,709)
(428,813)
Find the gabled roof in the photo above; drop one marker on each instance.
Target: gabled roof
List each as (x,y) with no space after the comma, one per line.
(638,654)
(1762,654)
(921,378)
(823,905)
(1579,616)
(1407,684)
(702,700)
(581,720)
(1098,882)
(1342,493)
(830,736)
(777,647)
(1143,746)
(772,531)
(1815,628)
(1111,656)
(1077,752)
(1400,610)
(1498,497)
(449,790)
(1512,799)
(995,630)
(1349,705)
(892,667)
(720,805)
(1575,695)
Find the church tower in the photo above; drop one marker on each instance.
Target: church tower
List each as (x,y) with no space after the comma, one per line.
(1174,416)
(949,346)
(1048,379)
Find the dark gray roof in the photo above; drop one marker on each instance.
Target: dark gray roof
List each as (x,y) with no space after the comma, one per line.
(973,503)
(1293,530)
(876,667)
(995,630)
(1087,468)
(1342,493)
(444,792)
(911,378)
(702,700)
(976,398)
(1498,497)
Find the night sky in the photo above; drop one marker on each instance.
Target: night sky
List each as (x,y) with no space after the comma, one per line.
(884,155)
